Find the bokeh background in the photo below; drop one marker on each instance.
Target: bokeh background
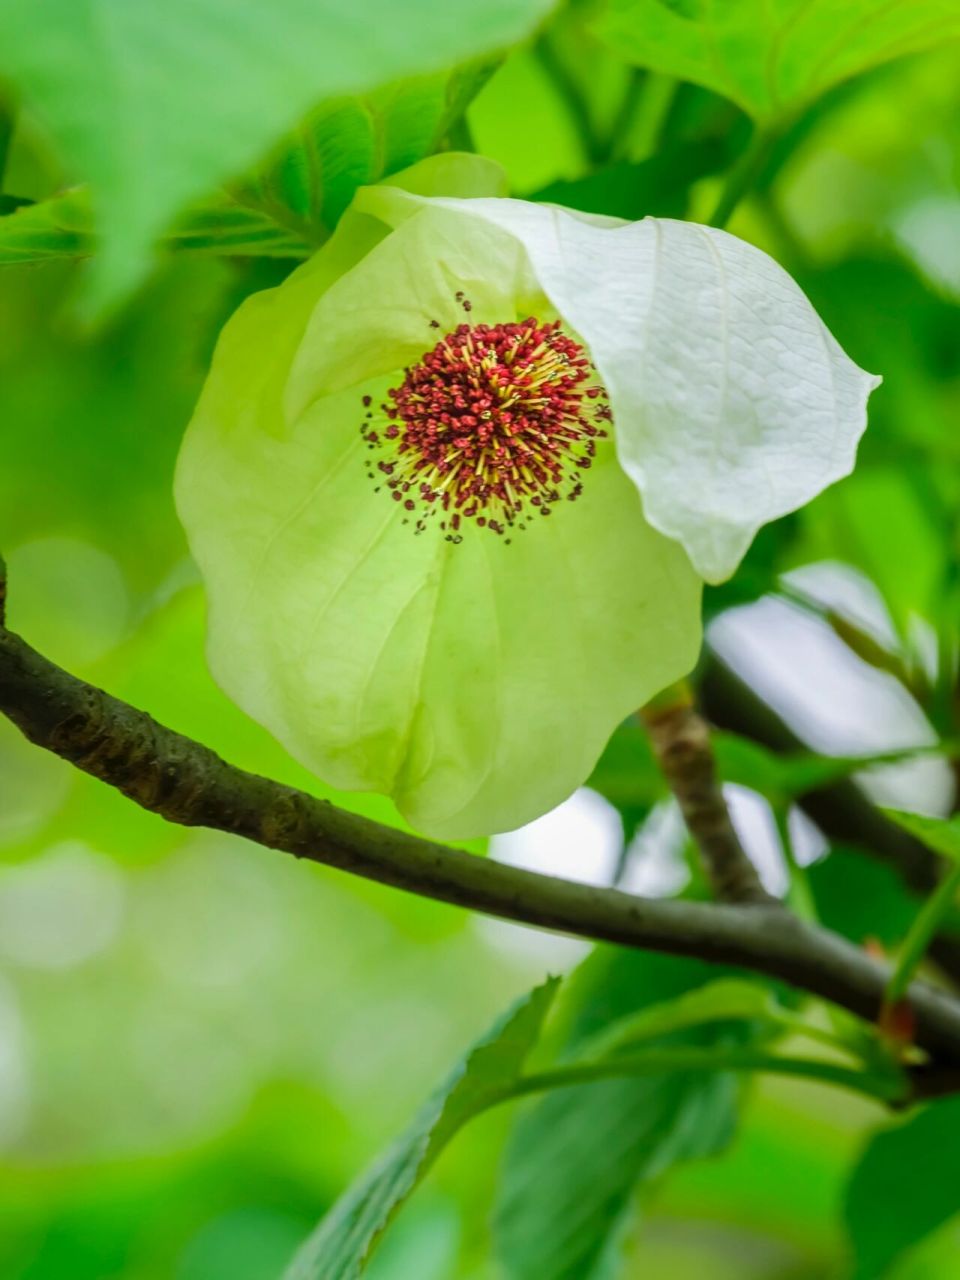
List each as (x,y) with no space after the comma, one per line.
(202,1042)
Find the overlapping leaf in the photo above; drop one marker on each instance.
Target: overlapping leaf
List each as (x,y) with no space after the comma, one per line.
(578,1156)
(350,142)
(340,1247)
(155,105)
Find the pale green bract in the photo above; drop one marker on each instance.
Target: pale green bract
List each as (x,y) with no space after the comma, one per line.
(477,681)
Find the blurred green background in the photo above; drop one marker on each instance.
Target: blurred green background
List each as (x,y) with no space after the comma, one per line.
(202,1042)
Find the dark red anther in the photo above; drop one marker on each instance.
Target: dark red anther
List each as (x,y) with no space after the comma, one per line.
(494,420)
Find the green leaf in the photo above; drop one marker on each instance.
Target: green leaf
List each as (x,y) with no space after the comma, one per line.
(860,898)
(63,228)
(58,228)
(343,1242)
(154,105)
(906,1185)
(291,206)
(782,778)
(771,60)
(352,142)
(577,1156)
(223,225)
(942,835)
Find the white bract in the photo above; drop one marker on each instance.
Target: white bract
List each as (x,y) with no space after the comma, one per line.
(365,474)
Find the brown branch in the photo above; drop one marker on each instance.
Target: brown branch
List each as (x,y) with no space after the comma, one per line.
(187,783)
(841,810)
(681,743)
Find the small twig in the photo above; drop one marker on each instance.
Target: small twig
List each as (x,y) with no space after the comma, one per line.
(681,743)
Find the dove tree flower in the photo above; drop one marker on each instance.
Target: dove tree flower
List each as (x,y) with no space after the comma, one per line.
(455,485)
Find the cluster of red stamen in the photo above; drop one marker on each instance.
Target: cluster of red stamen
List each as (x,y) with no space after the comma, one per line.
(495,423)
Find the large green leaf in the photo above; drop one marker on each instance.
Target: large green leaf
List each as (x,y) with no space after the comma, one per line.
(577,1157)
(155,105)
(340,1247)
(773,58)
(287,208)
(906,1185)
